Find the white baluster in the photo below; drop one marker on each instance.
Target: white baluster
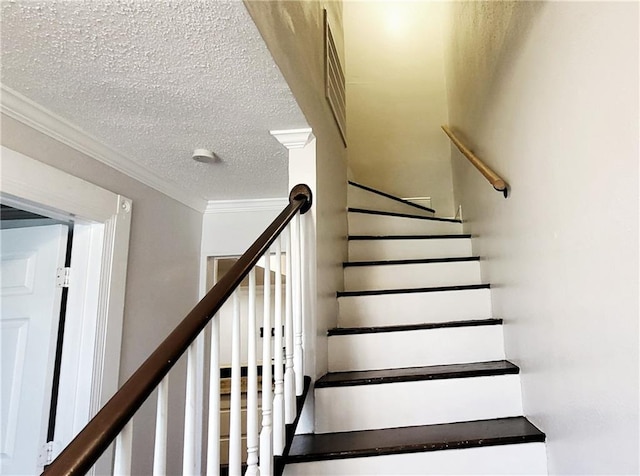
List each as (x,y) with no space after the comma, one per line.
(266,448)
(289,374)
(199,431)
(305,313)
(189,449)
(213,438)
(278,363)
(252,384)
(298,360)
(122,459)
(160,446)
(235,424)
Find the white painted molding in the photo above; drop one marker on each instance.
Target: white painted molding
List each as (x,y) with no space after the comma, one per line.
(234,206)
(293,138)
(32,114)
(28,181)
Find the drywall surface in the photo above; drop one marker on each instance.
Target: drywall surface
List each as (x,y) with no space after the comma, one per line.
(229,231)
(162,275)
(396,99)
(547,94)
(294,33)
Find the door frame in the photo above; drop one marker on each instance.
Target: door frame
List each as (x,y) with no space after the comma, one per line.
(106,219)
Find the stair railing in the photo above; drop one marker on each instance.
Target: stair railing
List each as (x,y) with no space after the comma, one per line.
(494,179)
(113,421)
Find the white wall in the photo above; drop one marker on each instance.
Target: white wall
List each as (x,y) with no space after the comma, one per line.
(162,273)
(230,227)
(396,99)
(547,94)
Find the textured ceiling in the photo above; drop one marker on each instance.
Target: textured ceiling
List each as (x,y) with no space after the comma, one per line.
(154,79)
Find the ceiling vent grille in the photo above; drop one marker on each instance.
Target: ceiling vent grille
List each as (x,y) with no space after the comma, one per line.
(334,81)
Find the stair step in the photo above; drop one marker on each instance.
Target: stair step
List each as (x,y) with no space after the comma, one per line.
(458,259)
(224,449)
(349,401)
(446,440)
(385,247)
(224,469)
(430,344)
(459,236)
(398,274)
(378,222)
(412,374)
(431,289)
(413,308)
(341,331)
(225,418)
(225,399)
(360,195)
(445,436)
(402,215)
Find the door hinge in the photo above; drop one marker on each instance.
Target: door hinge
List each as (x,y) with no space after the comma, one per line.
(47,453)
(63,277)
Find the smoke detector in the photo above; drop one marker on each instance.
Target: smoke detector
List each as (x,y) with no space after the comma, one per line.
(203,155)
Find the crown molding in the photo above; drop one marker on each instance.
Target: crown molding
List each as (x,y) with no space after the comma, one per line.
(32,114)
(252,205)
(293,138)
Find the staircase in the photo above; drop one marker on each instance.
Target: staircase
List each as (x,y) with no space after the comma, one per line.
(418,380)
(225,414)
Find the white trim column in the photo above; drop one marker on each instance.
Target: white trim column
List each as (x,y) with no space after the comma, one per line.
(301,144)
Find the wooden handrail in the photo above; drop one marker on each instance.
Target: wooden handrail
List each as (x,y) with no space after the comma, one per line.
(494,179)
(80,455)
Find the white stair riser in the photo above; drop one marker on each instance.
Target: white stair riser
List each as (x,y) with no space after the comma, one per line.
(398,276)
(358,198)
(367,250)
(413,308)
(526,458)
(386,350)
(367,224)
(425,402)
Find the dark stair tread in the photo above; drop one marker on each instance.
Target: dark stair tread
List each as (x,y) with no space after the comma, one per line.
(401,215)
(469,434)
(412,327)
(408,237)
(375,292)
(413,374)
(392,197)
(459,259)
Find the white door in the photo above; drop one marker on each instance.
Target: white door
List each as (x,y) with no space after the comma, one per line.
(28,325)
